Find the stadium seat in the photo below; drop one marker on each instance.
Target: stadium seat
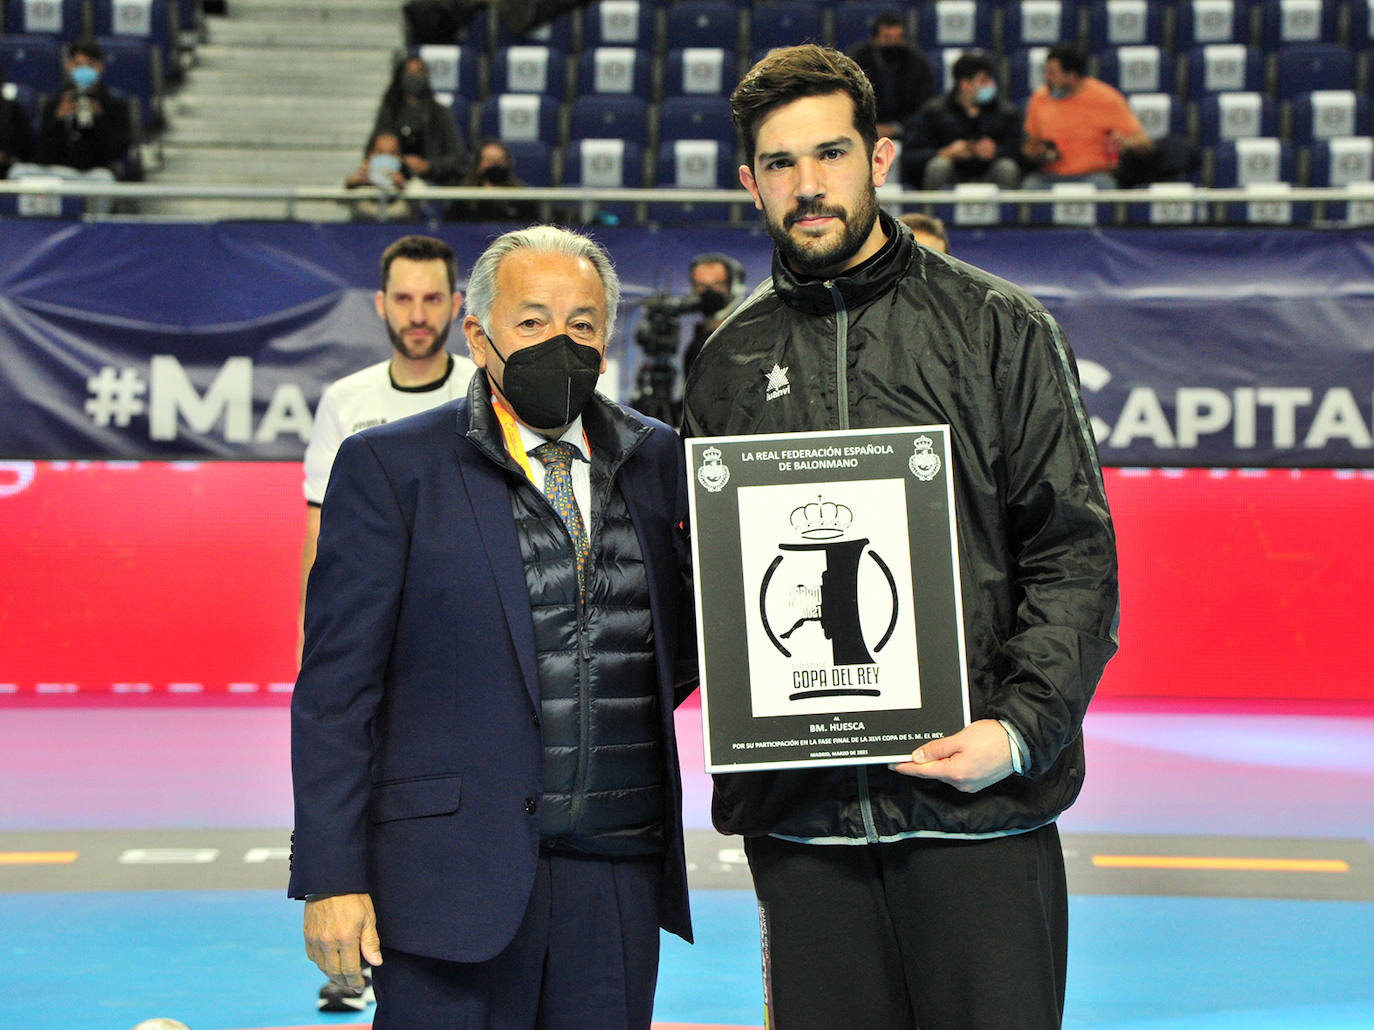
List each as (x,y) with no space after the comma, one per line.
(1026,72)
(453,69)
(533,161)
(605,163)
(153,20)
(1305,67)
(1256,162)
(599,116)
(615,70)
(964,24)
(700,71)
(1113,23)
(1285,22)
(1223,68)
(1328,114)
(783,23)
(61,19)
(702,23)
(1168,203)
(529,69)
(1160,114)
(520,117)
(1027,23)
(556,35)
(1201,22)
(696,118)
(620,23)
(1345,161)
(942,64)
(694,164)
(1233,116)
(1138,69)
(133,67)
(32,61)
(1075,206)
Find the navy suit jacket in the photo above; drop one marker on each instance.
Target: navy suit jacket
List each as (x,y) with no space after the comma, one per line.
(416,753)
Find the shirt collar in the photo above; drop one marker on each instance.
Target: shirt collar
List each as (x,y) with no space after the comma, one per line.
(573,435)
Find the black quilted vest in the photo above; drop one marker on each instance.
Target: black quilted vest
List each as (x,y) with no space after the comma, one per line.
(603,761)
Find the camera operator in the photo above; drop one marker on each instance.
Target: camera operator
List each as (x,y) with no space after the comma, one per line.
(718,280)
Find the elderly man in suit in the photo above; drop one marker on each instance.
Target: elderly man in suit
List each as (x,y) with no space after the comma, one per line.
(488,804)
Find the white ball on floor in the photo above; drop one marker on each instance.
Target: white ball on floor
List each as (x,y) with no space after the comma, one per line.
(162,1023)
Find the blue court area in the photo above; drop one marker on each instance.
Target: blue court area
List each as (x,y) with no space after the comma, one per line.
(231,959)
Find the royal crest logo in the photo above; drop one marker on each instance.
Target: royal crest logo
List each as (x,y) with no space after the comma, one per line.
(713,475)
(778,383)
(924,463)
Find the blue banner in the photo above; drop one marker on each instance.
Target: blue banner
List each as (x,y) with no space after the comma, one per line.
(1196,347)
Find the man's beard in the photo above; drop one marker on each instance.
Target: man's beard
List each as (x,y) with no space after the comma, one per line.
(435,345)
(820,258)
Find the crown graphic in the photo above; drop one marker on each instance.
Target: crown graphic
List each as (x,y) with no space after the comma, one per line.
(711,455)
(923,443)
(821,519)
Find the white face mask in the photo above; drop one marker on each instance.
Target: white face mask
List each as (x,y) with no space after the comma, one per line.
(380,168)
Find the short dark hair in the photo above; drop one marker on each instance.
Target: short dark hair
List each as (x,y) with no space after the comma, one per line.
(1071,57)
(971,63)
(791,73)
(86,47)
(421,248)
(886,20)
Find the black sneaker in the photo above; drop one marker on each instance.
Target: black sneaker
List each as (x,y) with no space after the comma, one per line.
(335,998)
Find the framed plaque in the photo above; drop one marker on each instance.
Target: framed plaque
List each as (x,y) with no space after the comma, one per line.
(828,606)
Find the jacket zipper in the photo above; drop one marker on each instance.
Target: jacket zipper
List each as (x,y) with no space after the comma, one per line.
(842,408)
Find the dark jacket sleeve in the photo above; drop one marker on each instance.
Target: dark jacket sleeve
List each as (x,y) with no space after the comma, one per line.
(351,609)
(1062,546)
(1007,131)
(925,134)
(445,149)
(16,142)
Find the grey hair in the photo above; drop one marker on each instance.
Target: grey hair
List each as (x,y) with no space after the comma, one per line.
(541,239)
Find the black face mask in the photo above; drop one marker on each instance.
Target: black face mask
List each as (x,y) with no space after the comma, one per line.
(496,175)
(547,385)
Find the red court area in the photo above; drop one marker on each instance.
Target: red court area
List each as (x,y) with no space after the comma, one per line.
(153,579)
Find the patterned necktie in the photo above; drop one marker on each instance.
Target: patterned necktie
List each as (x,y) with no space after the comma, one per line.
(558,488)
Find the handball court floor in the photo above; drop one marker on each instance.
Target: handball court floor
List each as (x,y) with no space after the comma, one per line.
(1221,865)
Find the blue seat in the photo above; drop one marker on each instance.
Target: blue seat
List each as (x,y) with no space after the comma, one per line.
(1075,207)
(153,20)
(1233,116)
(1256,162)
(966,24)
(1028,23)
(1329,114)
(607,163)
(1360,27)
(532,160)
(529,69)
(1160,114)
(1025,72)
(1344,161)
(32,61)
(694,164)
(1200,22)
(702,23)
(454,69)
(620,23)
(700,71)
(696,118)
(134,67)
(609,115)
(942,64)
(61,19)
(1169,203)
(1138,69)
(520,117)
(853,20)
(1285,22)
(1309,66)
(1224,68)
(556,34)
(1114,23)
(784,23)
(615,70)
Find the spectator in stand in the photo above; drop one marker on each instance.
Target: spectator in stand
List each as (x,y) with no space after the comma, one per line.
(383,174)
(928,230)
(1077,127)
(494,169)
(85,130)
(901,75)
(16,132)
(432,148)
(970,134)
